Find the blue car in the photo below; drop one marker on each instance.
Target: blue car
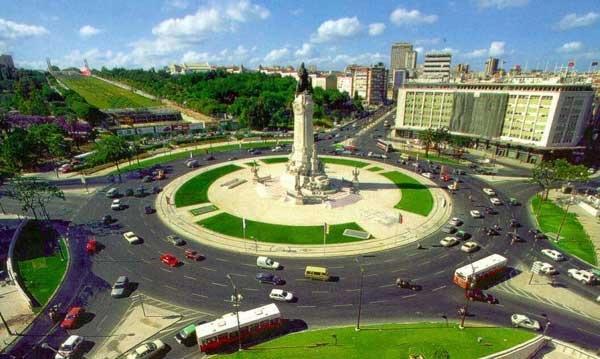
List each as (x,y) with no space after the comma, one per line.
(269,278)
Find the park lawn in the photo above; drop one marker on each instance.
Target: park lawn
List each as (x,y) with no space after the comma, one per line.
(230,225)
(416,197)
(343,161)
(272,160)
(104,95)
(40,272)
(431,340)
(195,190)
(433,157)
(575,240)
(375,169)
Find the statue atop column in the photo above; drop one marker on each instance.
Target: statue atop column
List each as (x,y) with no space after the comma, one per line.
(304,82)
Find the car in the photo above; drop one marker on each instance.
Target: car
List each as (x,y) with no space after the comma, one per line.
(112,193)
(192,163)
(269,278)
(554,254)
(72,318)
(267,263)
(545,268)
(65,168)
(462,235)
(523,321)
(490,231)
(129,192)
(537,234)
(490,210)
(116,205)
(449,241)
(120,287)
(156,190)
(209,158)
(131,237)
(401,283)
(107,219)
(140,192)
(281,295)
(146,179)
(427,175)
(475,213)
(583,276)
(455,221)
(91,247)
(480,296)
(446,177)
(175,240)
(448,229)
(513,201)
(149,210)
(147,350)
(193,255)
(69,347)
(169,259)
(469,247)
(489,191)
(495,201)
(514,223)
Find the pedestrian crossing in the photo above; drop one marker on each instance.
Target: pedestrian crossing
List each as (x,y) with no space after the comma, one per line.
(184,312)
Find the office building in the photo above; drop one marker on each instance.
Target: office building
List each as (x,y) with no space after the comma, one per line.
(370,83)
(403,56)
(491,66)
(522,121)
(437,65)
(344,83)
(324,81)
(462,69)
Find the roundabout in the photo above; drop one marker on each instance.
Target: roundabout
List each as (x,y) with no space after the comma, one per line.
(346,222)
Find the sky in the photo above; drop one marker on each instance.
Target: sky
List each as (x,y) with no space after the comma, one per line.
(327,33)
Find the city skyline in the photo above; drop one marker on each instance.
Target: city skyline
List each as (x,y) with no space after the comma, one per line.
(329,35)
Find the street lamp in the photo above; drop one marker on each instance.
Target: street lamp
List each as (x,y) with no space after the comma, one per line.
(47,346)
(360,293)
(562,222)
(236,299)
(547,325)
(470,285)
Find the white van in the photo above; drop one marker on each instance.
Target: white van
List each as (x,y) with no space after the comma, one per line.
(69,347)
(267,263)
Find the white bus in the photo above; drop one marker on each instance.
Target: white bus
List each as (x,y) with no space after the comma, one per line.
(385,146)
(481,272)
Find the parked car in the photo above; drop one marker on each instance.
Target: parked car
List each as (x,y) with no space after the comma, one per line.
(469,247)
(554,254)
(147,350)
(545,268)
(475,213)
(427,175)
(169,259)
(269,278)
(480,296)
(116,205)
(120,287)
(131,237)
(281,295)
(69,347)
(489,191)
(523,321)
(449,241)
(175,240)
(455,221)
(72,318)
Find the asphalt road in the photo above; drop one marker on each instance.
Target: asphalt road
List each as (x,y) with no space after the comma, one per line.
(203,288)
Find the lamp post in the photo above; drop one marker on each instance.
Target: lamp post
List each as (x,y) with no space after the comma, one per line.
(547,325)
(470,285)
(360,293)
(47,346)
(236,299)
(562,222)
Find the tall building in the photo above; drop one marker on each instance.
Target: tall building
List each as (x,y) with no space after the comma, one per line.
(370,83)
(344,83)
(437,65)
(403,56)
(462,68)
(491,66)
(522,121)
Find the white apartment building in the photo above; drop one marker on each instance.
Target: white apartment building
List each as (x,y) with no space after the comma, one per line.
(344,83)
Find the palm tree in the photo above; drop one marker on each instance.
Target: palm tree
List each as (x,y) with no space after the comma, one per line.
(427,137)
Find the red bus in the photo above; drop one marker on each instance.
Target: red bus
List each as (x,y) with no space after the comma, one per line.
(224,331)
(481,272)
(385,146)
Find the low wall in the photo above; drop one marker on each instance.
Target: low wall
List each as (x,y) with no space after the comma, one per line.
(9,265)
(570,350)
(522,351)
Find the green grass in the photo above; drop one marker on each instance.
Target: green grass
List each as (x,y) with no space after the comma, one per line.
(433,157)
(575,240)
(375,169)
(416,197)
(199,152)
(40,273)
(230,225)
(343,161)
(195,190)
(104,95)
(391,341)
(272,160)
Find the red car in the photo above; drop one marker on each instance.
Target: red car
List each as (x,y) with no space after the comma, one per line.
(169,259)
(192,255)
(72,317)
(478,295)
(445,177)
(91,247)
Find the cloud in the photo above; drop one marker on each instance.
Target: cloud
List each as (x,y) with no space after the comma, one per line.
(297,11)
(432,41)
(176,4)
(476,53)
(195,57)
(304,51)
(571,21)
(501,4)
(402,16)
(497,48)
(451,50)
(88,31)
(96,58)
(244,10)
(277,54)
(572,46)
(10,30)
(376,28)
(337,29)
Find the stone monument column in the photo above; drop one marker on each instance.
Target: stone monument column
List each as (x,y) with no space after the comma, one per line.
(302,148)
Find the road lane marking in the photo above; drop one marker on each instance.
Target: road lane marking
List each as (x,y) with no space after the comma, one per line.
(588,332)
(353,290)
(412,254)
(166,270)
(188,277)
(342,305)
(248,264)
(221,260)
(397,270)
(306,306)
(219,284)
(251,289)
(440,272)
(337,267)
(210,269)
(130,252)
(199,295)
(389,260)
(371,275)
(377,301)
(438,288)
(409,296)
(301,279)
(239,275)
(148,279)
(102,321)
(320,291)
(170,287)
(387,285)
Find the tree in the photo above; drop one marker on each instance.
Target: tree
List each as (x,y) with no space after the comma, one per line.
(111,149)
(34,193)
(440,135)
(545,175)
(427,137)
(15,151)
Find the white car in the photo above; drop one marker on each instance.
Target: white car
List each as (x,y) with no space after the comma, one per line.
(69,347)
(281,295)
(489,191)
(147,350)
(267,263)
(585,277)
(475,214)
(427,175)
(449,241)
(545,268)
(495,201)
(116,204)
(554,254)
(455,221)
(469,247)
(523,321)
(131,237)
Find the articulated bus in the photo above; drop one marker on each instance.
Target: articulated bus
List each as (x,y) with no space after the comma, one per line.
(480,273)
(224,331)
(385,146)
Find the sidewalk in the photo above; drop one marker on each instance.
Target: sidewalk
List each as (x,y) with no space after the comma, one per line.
(15,311)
